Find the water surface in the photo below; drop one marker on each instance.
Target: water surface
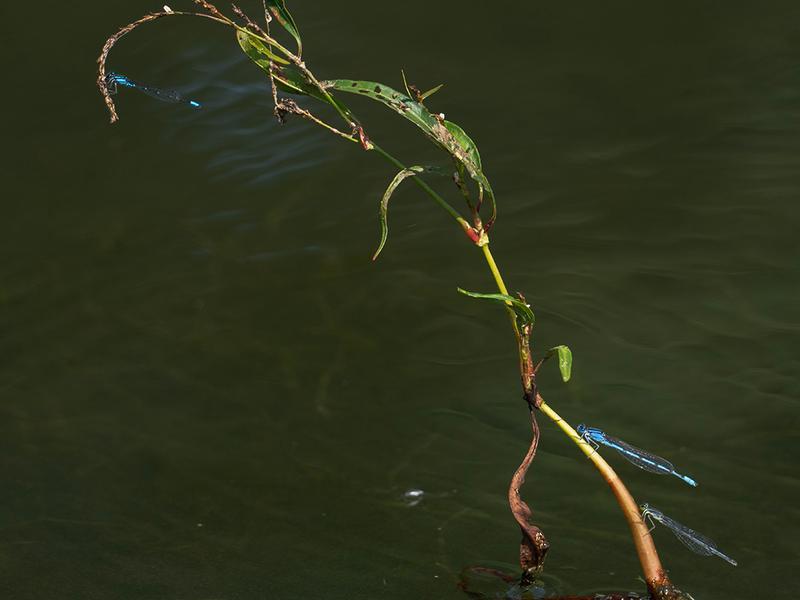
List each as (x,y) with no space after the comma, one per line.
(209,391)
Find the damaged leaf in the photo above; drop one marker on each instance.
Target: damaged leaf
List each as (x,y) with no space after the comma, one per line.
(445,134)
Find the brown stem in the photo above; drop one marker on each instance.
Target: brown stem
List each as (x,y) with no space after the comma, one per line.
(534,546)
(250,24)
(101,60)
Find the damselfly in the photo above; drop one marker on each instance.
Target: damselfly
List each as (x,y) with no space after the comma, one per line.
(691,539)
(640,458)
(114,80)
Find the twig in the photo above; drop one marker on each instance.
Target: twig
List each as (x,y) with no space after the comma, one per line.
(101,60)
(255,27)
(286,106)
(110,42)
(213,10)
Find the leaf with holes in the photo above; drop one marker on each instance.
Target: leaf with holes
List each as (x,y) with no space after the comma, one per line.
(443,133)
(524,313)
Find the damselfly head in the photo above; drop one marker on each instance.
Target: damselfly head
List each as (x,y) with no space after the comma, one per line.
(644,507)
(114,78)
(581,429)
(111,83)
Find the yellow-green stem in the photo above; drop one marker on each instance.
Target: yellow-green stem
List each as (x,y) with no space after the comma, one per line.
(498,278)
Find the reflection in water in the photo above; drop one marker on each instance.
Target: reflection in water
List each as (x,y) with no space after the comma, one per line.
(236,131)
(413,497)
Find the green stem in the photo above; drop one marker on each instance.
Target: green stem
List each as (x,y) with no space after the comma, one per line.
(498,278)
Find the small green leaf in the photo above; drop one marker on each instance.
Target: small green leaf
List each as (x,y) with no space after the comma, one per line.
(564,360)
(284,17)
(431,92)
(523,311)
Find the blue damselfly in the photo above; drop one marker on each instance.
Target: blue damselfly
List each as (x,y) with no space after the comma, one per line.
(115,80)
(637,456)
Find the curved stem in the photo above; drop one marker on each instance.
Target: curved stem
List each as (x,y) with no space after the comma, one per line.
(654,573)
(533,547)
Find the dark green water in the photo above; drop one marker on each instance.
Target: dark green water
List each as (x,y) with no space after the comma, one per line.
(209,392)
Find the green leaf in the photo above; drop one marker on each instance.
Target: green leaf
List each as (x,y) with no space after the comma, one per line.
(564,360)
(284,17)
(288,78)
(257,50)
(445,134)
(383,213)
(397,101)
(523,311)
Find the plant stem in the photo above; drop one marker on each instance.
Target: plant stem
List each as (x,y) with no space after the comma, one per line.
(656,578)
(501,285)
(654,573)
(498,278)
(652,569)
(651,565)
